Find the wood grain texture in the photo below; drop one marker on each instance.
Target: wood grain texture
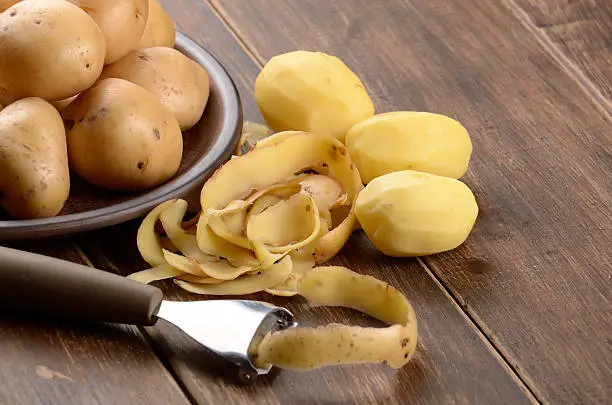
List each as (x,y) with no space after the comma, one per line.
(49,363)
(582,30)
(535,274)
(195,19)
(453,363)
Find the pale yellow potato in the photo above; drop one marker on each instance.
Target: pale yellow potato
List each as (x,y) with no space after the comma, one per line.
(50,49)
(122,22)
(411,213)
(121,137)
(34,175)
(4,4)
(181,84)
(312,92)
(159,30)
(409,140)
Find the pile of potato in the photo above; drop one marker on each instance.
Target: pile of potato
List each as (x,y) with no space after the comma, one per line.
(413,203)
(93,87)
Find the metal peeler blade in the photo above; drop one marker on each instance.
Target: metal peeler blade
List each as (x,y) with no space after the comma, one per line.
(230,328)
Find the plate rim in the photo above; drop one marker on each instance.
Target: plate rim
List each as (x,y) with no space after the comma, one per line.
(179,186)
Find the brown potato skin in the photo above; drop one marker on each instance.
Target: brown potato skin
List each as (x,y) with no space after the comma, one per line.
(4,4)
(34,174)
(61,104)
(181,84)
(121,21)
(160,30)
(121,137)
(50,49)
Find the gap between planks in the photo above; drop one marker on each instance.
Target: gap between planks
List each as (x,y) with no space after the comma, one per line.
(497,352)
(527,388)
(150,343)
(240,38)
(144,335)
(573,71)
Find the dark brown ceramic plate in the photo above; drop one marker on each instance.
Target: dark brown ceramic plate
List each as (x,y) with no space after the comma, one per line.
(207,145)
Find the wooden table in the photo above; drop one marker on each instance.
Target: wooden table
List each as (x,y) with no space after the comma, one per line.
(520,313)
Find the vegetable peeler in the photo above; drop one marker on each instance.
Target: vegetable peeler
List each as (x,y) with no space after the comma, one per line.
(58,288)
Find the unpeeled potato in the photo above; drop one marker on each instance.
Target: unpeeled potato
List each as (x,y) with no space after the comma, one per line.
(122,22)
(121,137)
(61,104)
(49,49)
(159,30)
(181,84)
(410,213)
(34,176)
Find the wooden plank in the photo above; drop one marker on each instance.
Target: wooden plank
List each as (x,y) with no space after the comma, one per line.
(535,273)
(454,364)
(45,363)
(194,20)
(581,30)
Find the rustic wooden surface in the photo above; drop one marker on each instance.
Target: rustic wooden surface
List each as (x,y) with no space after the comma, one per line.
(454,363)
(44,362)
(579,33)
(535,272)
(521,313)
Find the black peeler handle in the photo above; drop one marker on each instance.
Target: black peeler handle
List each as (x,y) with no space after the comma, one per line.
(58,288)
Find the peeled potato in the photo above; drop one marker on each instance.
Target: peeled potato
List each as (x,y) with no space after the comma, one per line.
(181,84)
(408,140)
(121,137)
(122,22)
(159,30)
(312,92)
(34,177)
(412,213)
(49,49)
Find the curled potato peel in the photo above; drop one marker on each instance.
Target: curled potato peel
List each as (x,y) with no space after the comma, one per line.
(147,240)
(216,247)
(261,168)
(287,225)
(161,272)
(252,133)
(305,348)
(267,220)
(246,285)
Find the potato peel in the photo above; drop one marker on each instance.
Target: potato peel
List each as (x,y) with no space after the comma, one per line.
(275,275)
(261,168)
(161,272)
(147,240)
(266,222)
(305,348)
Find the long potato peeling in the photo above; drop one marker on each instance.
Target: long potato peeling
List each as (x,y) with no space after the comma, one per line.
(306,348)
